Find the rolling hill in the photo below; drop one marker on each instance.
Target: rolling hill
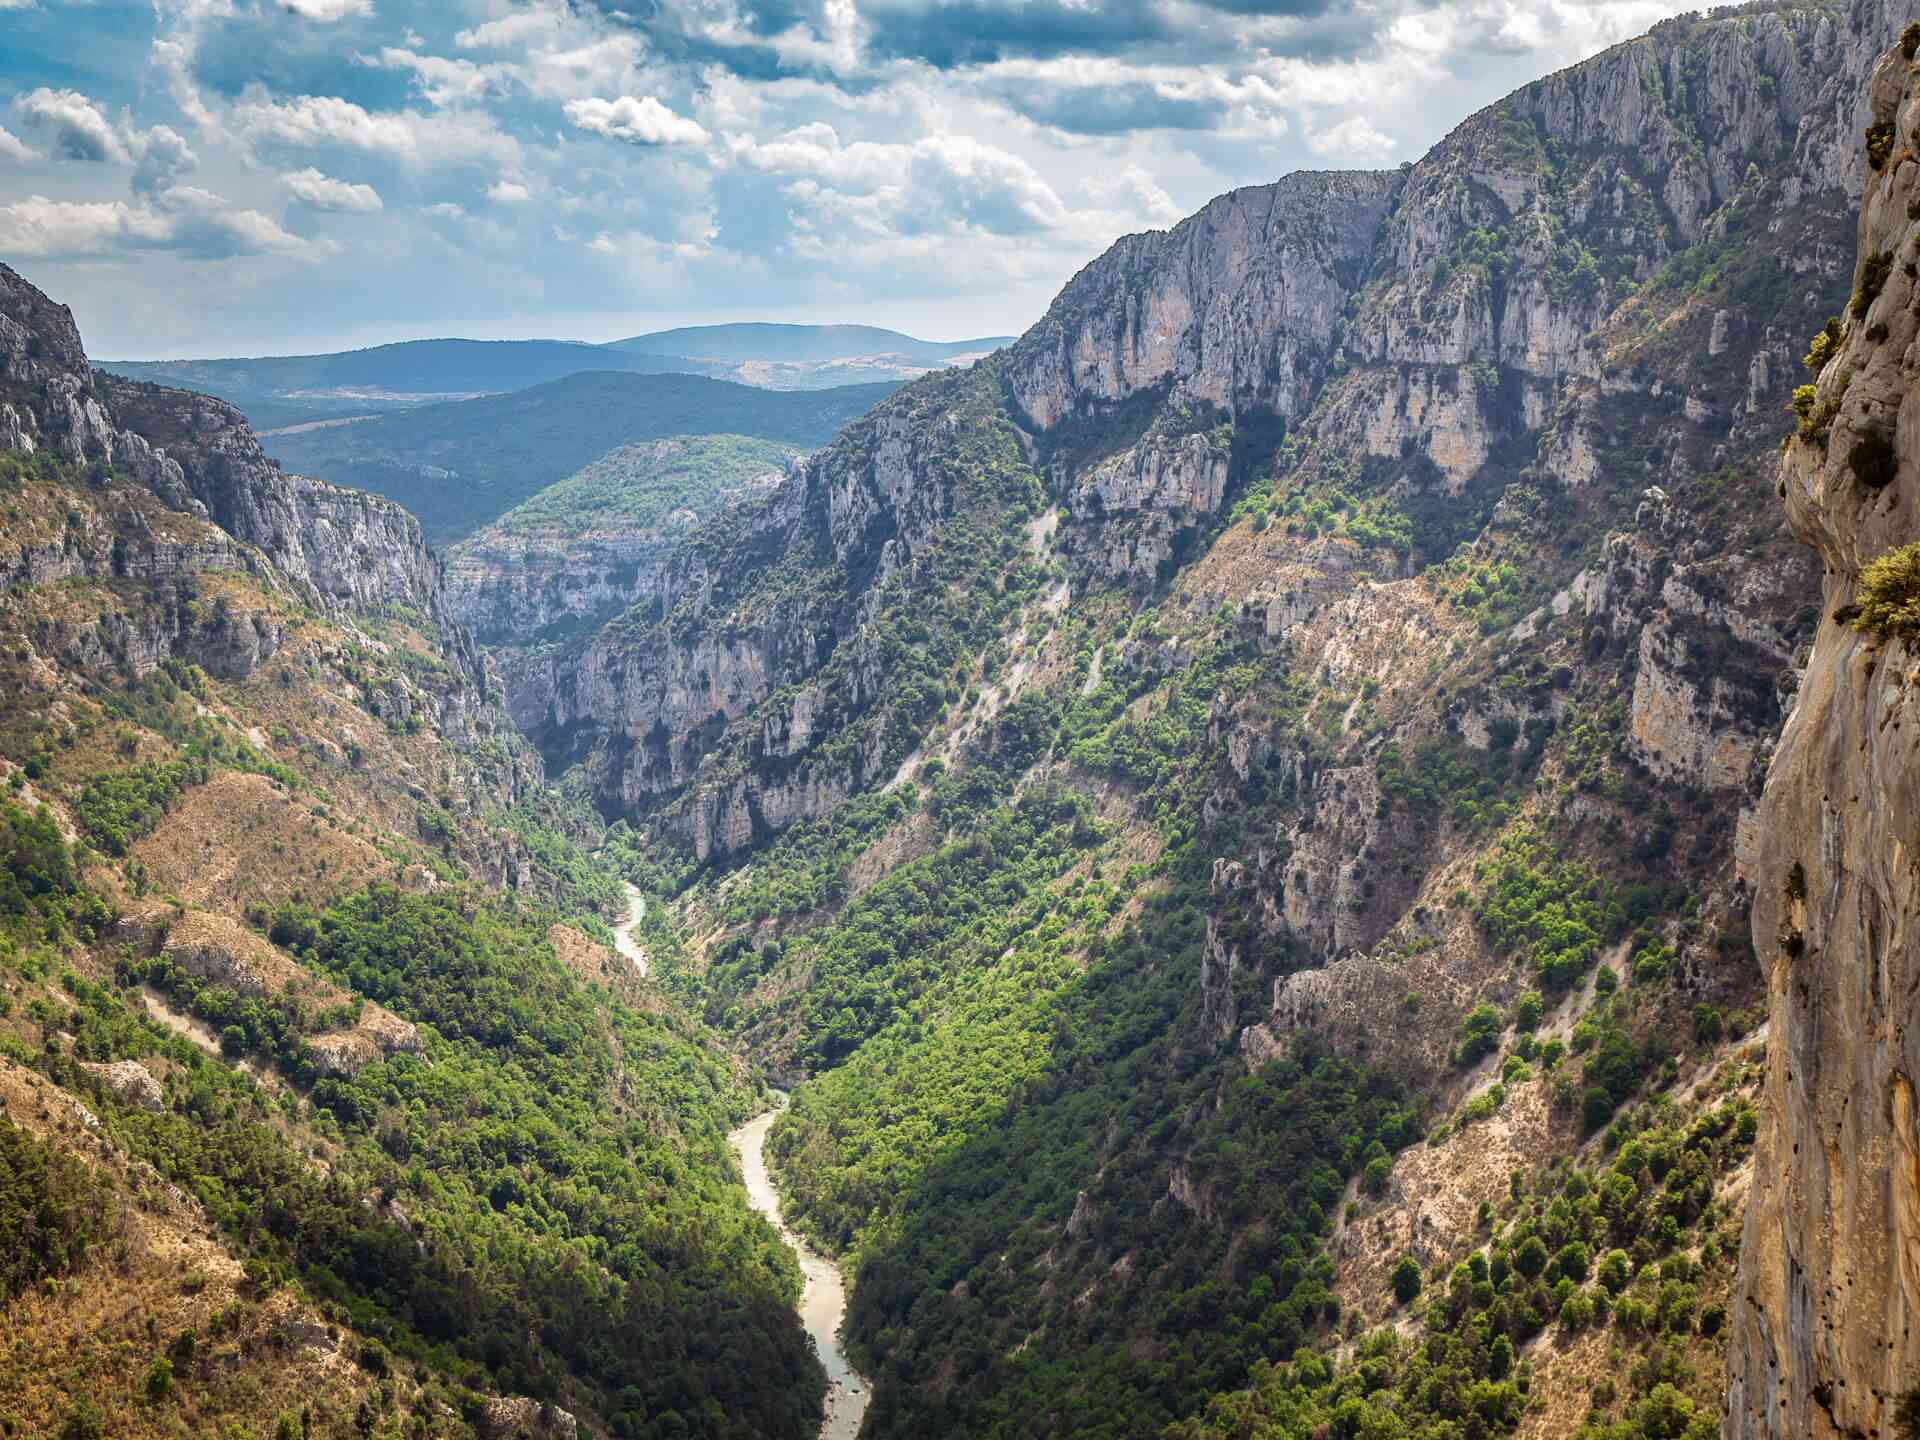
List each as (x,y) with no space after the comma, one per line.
(459,465)
(803,343)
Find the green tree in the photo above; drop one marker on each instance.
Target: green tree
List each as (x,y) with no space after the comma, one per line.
(1406,1279)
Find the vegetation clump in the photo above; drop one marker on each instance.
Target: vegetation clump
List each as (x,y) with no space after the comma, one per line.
(1889,597)
(1826,344)
(1879,145)
(1873,279)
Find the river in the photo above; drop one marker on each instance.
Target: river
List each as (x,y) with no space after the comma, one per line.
(623,940)
(823,1300)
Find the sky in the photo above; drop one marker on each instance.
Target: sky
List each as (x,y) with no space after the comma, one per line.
(205,178)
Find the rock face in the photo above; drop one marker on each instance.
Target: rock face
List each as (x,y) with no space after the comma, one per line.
(131,1081)
(1437,333)
(1237,308)
(512,1416)
(1824,1339)
(766,650)
(341,551)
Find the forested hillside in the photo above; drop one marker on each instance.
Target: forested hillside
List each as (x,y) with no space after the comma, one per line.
(459,465)
(323,1109)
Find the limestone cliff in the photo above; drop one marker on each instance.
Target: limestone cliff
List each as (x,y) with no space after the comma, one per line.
(1823,1340)
(340,551)
(1522,307)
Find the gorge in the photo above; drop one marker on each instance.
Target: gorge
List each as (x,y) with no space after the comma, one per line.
(1319,846)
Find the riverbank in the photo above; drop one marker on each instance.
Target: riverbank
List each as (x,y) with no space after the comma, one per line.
(823,1300)
(623,940)
(823,1303)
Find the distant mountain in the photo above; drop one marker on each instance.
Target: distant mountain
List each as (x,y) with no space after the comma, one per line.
(462,464)
(279,391)
(387,377)
(804,344)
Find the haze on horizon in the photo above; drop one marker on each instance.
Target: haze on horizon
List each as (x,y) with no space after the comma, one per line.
(224,177)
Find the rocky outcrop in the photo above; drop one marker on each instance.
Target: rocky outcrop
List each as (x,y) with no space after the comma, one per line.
(511,1417)
(598,542)
(130,1082)
(227,506)
(1238,307)
(766,653)
(1824,1339)
(518,589)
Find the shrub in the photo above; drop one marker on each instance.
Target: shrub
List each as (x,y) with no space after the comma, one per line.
(1531,1258)
(1906,1411)
(1890,595)
(1910,40)
(1573,1261)
(1596,1108)
(160,1378)
(1479,1034)
(1826,342)
(1528,1010)
(1406,1279)
(1873,279)
(1879,145)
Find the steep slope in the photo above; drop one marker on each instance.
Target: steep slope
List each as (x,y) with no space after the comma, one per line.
(339,1121)
(1823,1342)
(458,466)
(1298,699)
(585,548)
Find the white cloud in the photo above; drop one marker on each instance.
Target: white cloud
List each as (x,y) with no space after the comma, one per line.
(164,158)
(816,149)
(642,121)
(326,12)
(1352,138)
(72,126)
(445,210)
(319,191)
(510,31)
(313,121)
(443,80)
(13,149)
(936,183)
(508,192)
(187,220)
(1134,193)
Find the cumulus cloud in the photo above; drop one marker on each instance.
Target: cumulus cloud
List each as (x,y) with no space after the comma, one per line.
(326,12)
(72,126)
(958,153)
(318,121)
(443,80)
(1352,138)
(318,191)
(1133,192)
(189,221)
(164,158)
(638,121)
(936,184)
